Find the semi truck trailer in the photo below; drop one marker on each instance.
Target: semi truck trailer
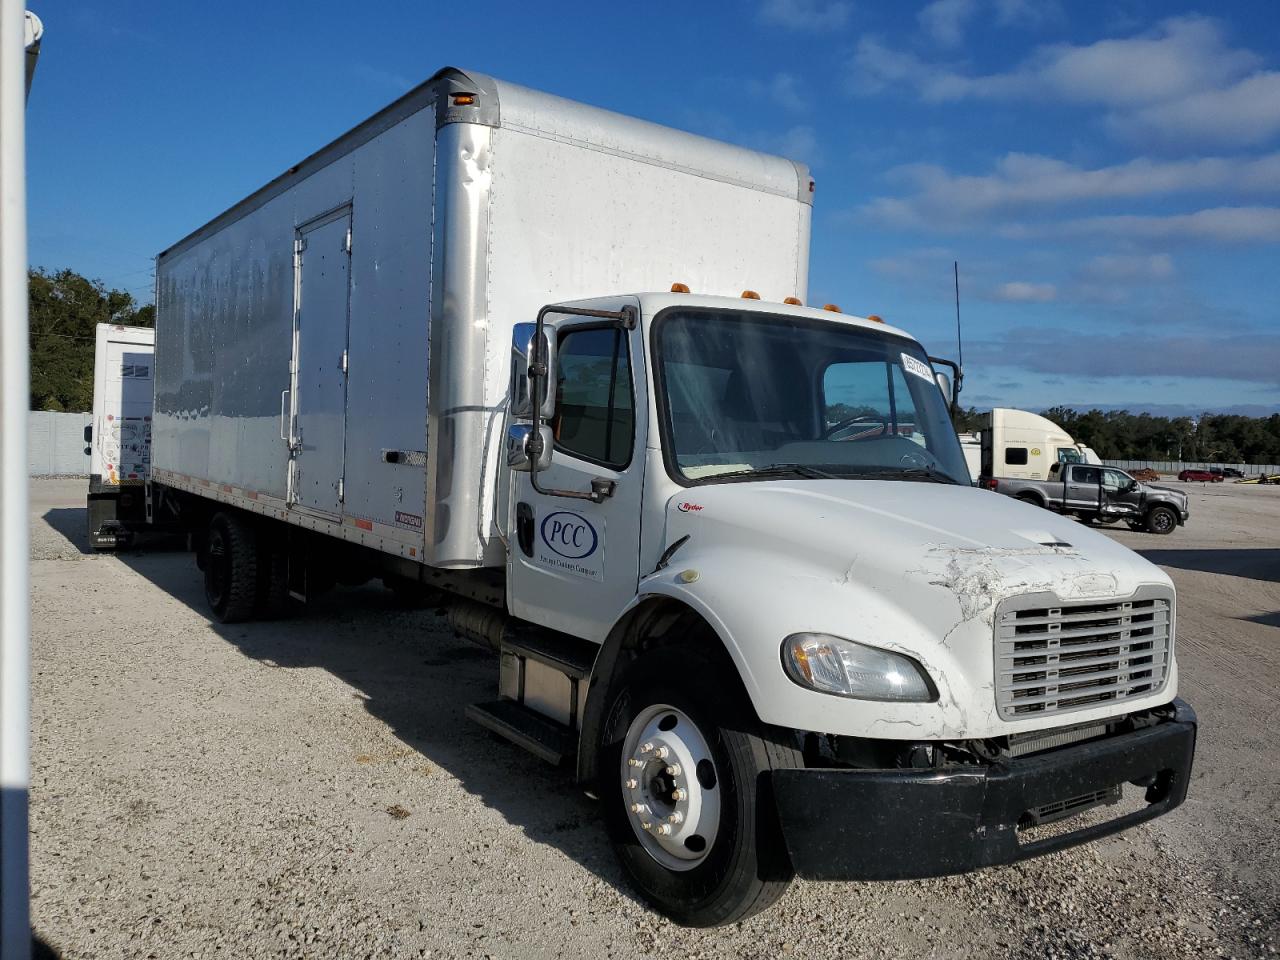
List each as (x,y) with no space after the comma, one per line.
(119,437)
(554,368)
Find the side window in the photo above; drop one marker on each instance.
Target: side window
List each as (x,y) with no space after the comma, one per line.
(1113,479)
(1086,475)
(872,399)
(594,418)
(1015,456)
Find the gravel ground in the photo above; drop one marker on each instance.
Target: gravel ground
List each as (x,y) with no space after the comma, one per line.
(310,788)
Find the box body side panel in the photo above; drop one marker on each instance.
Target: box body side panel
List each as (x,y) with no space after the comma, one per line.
(225,321)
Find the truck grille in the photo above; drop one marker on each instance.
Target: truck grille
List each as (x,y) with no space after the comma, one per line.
(1051,659)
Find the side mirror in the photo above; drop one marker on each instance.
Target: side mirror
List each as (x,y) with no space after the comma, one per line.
(944,384)
(522,351)
(520,447)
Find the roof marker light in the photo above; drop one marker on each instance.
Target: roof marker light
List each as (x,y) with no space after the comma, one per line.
(750,295)
(832,307)
(794,301)
(874,319)
(679,288)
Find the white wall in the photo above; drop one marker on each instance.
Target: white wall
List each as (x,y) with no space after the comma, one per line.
(56,444)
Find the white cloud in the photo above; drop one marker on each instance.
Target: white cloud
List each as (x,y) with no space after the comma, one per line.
(1021,182)
(1028,13)
(810,15)
(1247,112)
(945,20)
(1020,291)
(1128,268)
(797,143)
(1217,225)
(1180,80)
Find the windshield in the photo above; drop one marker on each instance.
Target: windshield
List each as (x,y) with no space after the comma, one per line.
(746,395)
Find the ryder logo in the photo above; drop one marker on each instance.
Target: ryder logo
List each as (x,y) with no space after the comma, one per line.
(684,506)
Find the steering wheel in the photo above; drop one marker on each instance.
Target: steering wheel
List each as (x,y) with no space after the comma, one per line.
(850,421)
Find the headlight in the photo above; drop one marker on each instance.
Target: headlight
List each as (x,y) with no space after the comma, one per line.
(829,664)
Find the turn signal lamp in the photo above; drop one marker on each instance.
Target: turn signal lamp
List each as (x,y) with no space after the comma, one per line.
(750,295)
(832,307)
(794,301)
(679,288)
(874,319)
(463,99)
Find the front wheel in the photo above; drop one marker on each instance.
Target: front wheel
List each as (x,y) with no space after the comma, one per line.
(1161,520)
(687,796)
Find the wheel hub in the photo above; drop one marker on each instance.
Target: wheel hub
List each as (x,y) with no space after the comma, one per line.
(669,787)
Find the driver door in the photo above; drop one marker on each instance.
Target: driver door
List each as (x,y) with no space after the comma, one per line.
(1119,498)
(574,564)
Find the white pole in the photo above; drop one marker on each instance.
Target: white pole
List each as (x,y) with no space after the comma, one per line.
(16,33)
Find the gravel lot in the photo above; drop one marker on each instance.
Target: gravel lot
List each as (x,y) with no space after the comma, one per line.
(310,788)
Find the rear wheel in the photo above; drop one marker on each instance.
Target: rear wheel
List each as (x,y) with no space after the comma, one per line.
(1030,498)
(231,568)
(686,793)
(1161,520)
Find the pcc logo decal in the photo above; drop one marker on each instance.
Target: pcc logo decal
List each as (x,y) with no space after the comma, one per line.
(572,543)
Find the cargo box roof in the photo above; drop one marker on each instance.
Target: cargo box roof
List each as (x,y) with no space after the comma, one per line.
(465,97)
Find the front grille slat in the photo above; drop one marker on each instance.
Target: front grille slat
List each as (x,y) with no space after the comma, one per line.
(1071,656)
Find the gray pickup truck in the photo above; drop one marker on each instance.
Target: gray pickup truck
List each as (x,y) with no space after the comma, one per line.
(1101,494)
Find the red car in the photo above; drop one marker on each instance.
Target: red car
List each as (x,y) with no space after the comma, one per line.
(1202,475)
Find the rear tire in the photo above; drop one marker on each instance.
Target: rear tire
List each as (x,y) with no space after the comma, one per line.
(231,568)
(271,597)
(1161,520)
(741,866)
(1030,498)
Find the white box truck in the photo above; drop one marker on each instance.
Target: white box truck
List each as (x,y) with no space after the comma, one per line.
(119,438)
(725,547)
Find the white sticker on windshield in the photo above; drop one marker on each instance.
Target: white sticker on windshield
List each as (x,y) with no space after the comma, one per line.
(912,365)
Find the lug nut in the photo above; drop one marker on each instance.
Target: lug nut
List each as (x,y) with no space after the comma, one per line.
(679,793)
(663,829)
(674,770)
(646,748)
(645,826)
(676,817)
(632,784)
(637,807)
(633,762)
(662,753)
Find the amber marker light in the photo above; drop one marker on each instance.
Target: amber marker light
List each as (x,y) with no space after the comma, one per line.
(750,295)
(874,319)
(679,288)
(794,301)
(832,307)
(463,99)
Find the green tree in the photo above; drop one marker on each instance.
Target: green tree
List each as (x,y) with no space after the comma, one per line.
(64,310)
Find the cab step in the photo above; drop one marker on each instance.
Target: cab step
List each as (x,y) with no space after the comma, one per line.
(570,655)
(540,735)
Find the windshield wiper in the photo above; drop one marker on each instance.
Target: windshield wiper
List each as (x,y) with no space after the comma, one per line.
(776,470)
(928,474)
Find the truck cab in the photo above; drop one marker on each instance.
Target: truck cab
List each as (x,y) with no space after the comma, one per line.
(760,518)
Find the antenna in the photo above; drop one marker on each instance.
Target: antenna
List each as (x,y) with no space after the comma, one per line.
(955,266)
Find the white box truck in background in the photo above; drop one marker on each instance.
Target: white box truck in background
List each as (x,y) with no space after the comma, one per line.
(119,438)
(725,548)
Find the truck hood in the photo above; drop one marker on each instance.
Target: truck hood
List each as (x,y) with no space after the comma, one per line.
(920,530)
(917,568)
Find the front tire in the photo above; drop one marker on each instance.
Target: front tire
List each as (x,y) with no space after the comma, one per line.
(683,752)
(1161,520)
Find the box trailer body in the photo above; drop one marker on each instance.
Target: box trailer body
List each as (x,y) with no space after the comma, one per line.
(725,545)
(119,438)
(361,306)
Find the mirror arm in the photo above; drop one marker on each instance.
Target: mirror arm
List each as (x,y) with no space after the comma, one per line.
(601,489)
(957,380)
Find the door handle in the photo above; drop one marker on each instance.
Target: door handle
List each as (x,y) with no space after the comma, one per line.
(283,393)
(524,528)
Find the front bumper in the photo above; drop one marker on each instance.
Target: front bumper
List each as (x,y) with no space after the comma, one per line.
(849,824)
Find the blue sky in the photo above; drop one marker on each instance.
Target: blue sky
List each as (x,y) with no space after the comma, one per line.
(1107,174)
